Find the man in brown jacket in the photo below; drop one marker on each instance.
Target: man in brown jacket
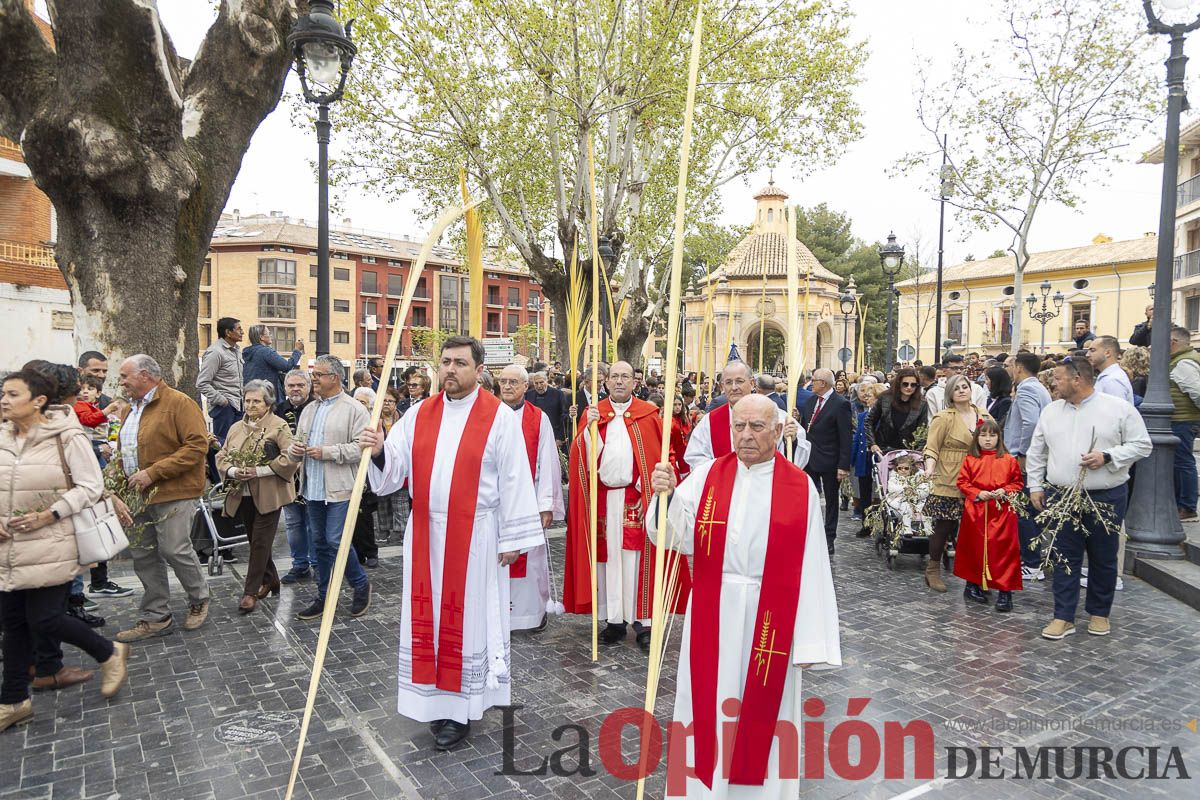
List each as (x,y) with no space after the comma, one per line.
(162,446)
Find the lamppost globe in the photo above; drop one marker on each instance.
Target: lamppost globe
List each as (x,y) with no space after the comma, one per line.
(323,52)
(891,256)
(1172,12)
(847,303)
(1058,300)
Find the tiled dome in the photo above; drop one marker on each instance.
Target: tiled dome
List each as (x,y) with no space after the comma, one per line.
(766,253)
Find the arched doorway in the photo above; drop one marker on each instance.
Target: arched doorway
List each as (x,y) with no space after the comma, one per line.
(824,354)
(774,348)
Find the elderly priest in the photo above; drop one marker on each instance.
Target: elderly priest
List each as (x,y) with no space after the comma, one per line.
(763,608)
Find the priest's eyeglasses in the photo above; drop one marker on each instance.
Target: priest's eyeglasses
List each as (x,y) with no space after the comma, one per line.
(735,382)
(509,381)
(757,426)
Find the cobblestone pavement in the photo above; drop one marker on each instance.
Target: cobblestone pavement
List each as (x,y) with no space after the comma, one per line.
(213,714)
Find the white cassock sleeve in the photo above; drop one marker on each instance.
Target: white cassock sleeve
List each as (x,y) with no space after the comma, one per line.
(802,449)
(549,472)
(817,639)
(397,453)
(681,511)
(520,524)
(699,448)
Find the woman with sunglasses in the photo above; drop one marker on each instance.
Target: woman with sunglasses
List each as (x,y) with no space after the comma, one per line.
(896,417)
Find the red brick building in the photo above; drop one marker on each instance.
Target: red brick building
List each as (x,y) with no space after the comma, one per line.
(272,259)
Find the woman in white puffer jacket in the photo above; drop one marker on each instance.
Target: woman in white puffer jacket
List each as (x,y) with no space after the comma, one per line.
(38,554)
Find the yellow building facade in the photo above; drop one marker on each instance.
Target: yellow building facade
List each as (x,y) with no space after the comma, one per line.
(1104,284)
(230,287)
(744,302)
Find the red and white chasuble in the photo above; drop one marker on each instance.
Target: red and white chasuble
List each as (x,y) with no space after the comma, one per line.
(530,586)
(472,499)
(762,602)
(628,453)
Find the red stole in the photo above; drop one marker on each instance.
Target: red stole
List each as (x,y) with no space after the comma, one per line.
(531,429)
(719,431)
(444,668)
(633,514)
(645,434)
(773,631)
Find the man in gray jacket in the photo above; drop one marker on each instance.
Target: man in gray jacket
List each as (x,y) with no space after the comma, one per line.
(220,378)
(326,439)
(1028,401)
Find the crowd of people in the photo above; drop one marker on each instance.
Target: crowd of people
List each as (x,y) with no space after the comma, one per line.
(472,475)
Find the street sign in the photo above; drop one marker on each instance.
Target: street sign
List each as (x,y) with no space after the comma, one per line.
(845,354)
(498,352)
(906,352)
(371,322)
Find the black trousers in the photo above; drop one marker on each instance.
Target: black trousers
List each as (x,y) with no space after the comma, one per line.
(827,484)
(866,492)
(364,535)
(45,611)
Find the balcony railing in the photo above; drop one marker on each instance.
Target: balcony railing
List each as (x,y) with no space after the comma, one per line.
(33,254)
(10,149)
(1189,191)
(1187,265)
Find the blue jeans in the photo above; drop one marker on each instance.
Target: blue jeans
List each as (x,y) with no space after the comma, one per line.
(300,541)
(1101,548)
(1027,531)
(1185,465)
(325,521)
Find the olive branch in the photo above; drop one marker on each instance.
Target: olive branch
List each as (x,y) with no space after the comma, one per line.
(1071,506)
(116,483)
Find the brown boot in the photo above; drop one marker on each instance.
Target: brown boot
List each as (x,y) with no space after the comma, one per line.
(933,576)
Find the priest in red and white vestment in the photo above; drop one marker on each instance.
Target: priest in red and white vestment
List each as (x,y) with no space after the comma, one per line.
(713,435)
(630,442)
(474,512)
(762,609)
(529,575)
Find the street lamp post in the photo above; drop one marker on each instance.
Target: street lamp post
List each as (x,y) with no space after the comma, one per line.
(535,304)
(323,53)
(891,257)
(846,301)
(1045,315)
(1153,522)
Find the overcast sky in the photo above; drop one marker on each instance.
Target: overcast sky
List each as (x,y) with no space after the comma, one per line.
(275,175)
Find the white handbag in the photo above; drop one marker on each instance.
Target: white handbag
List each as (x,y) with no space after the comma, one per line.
(98,533)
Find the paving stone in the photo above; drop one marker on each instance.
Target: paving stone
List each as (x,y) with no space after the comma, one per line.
(977,677)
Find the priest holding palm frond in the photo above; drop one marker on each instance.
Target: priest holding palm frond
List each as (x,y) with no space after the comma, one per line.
(762,607)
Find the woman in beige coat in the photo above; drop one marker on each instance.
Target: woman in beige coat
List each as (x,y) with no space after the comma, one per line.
(269,485)
(950,435)
(39,446)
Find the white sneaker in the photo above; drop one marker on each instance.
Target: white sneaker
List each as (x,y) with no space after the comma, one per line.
(1032,574)
(1120,583)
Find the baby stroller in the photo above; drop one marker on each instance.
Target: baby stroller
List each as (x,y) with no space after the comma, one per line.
(213,532)
(895,538)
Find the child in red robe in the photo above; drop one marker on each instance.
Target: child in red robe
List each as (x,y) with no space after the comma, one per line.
(988,552)
(681,431)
